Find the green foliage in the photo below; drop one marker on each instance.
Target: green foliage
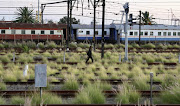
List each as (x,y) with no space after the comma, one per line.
(41,45)
(51,45)
(149,59)
(148,46)
(47,98)
(108,46)
(25,15)
(176,46)
(30,44)
(64,20)
(8,45)
(141,84)
(82,98)
(134,45)
(16,100)
(25,48)
(73,45)
(83,45)
(9,77)
(2,86)
(128,95)
(4,59)
(2,101)
(93,95)
(70,84)
(161,46)
(147,19)
(1,46)
(168,80)
(103,85)
(171,95)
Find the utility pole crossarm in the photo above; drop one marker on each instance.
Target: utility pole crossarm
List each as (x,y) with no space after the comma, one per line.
(57,2)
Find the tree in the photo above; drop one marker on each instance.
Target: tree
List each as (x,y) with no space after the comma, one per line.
(147,20)
(25,15)
(50,22)
(64,20)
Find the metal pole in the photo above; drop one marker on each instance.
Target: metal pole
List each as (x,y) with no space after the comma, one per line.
(151,79)
(94,23)
(126,38)
(126,6)
(38,11)
(139,28)
(67,36)
(40,92)
(70,19)
(42,13)
(103,17)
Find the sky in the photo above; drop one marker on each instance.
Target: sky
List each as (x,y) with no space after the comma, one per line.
(161,10)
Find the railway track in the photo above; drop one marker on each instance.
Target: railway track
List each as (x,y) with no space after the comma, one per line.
(100,105)
(110,93)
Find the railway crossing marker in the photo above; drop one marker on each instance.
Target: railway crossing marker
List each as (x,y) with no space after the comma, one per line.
(41,76)
(25,70)
(13,57)
(64,58)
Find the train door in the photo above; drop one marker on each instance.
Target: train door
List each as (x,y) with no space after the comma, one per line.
(112,34)
(75,34)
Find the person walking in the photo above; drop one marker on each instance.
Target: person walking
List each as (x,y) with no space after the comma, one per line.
(89,53)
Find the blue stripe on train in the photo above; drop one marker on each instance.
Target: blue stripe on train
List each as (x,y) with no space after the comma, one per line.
(90,38)
(153,39)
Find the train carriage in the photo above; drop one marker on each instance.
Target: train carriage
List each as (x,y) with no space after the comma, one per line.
(86,32)
(152,33)
(23,31)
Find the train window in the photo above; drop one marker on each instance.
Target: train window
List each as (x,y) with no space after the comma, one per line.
(13,31)
(159,33)
(96,32)
(151,33)
(87,32)
(142,33)
(146,33)
(51,32)
(32,31)
(3,31)
(135,33)
(131,33)
(42,32)
(169,33)
(174,33)
(164,33)
(105,32)
(23,32)
(80,31)
(178,33)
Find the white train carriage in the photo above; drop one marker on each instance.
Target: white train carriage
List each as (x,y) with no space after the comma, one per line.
(152,33)
(84,32)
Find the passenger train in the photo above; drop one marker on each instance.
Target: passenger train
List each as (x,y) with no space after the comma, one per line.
(34,32)
(148,32)
(54,32)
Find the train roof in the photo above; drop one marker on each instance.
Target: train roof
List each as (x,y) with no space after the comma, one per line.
(31,26)
(150,27)
(91,26)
